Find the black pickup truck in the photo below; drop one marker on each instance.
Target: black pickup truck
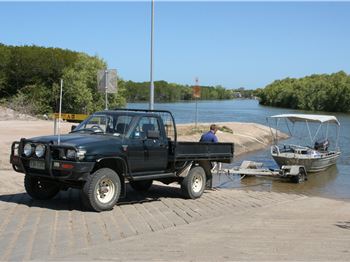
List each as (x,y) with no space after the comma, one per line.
(111,148)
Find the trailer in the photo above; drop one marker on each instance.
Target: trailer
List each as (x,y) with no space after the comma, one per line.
(295,173)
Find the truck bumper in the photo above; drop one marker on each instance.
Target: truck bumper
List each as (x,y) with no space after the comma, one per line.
(54,169)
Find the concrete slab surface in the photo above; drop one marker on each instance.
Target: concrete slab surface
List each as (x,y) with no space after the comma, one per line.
(161,225)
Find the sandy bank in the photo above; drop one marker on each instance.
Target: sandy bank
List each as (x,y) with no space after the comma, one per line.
(246,136)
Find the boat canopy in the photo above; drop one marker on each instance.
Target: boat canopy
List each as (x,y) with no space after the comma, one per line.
(311,118)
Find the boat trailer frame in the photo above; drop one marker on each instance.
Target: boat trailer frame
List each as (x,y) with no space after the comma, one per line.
(295,173)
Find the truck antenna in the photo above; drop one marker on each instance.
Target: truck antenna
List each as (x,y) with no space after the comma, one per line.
(59,115)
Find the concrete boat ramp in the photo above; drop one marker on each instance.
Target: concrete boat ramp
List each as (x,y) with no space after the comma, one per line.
(223,225)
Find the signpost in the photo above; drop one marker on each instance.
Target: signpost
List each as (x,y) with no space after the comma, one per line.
(107,82)
(196,93)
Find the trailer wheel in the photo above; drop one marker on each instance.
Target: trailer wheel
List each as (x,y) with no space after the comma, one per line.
(193,184)
(40,189)
(301,177)
(101,190)
(141,186)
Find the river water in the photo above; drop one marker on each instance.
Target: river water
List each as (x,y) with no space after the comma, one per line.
(333,183)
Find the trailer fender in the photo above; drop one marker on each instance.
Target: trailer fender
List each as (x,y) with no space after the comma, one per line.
(296,172)
(294,169)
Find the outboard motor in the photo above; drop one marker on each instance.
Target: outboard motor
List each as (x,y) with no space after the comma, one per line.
(322,145)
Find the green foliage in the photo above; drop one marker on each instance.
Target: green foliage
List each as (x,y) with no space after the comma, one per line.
(316,93)
(30,78)
(170,92)
(30,82)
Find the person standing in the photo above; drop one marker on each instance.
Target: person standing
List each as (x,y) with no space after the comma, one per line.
(210,137)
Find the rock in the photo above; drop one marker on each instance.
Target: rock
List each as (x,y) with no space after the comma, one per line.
(9,114)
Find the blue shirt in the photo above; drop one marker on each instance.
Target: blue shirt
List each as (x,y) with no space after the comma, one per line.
(209,137)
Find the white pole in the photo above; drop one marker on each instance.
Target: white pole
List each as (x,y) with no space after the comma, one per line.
(196,116)
(55,126)
(59,115)
(151,98)
(106,86)
(196,121)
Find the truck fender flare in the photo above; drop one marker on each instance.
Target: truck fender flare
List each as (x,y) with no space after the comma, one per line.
(119,159)
(206,165)
(184,171)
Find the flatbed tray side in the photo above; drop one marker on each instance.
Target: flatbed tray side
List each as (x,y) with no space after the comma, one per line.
(219,152)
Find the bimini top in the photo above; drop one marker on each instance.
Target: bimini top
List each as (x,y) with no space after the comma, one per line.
(311,118)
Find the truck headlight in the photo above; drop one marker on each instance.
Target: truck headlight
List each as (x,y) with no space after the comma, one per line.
(40,150)
(28,149)
(71,154)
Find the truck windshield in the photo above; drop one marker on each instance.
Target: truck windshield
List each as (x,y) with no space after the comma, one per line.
(105,124)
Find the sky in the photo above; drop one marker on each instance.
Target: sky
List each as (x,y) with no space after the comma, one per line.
(233,44)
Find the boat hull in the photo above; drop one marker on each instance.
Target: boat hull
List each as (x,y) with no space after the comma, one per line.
(315,164)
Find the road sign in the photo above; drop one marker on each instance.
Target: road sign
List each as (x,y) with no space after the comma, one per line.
(196,92)
(107,81)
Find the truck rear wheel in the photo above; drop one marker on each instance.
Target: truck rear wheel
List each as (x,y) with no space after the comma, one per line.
(40,189)
(101,190)
(193,184)
(141,186)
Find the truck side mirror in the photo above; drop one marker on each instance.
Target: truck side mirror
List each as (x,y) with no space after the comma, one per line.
(153,134)
(73,127)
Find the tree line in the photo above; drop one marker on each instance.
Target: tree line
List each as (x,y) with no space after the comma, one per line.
(30,83)
(30,80)
(318,92)
(171,92)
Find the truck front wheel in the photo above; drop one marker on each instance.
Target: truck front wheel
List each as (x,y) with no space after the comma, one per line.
(101,190)
(193,184)
(40,189)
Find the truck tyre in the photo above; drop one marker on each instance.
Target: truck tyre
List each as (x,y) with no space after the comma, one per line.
(101,190)
(193,184)
(141,186)
(40,189)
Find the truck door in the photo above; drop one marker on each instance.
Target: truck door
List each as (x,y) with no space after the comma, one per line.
(155,148)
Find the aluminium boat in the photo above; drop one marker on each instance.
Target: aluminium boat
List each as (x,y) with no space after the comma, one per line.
(315,155)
